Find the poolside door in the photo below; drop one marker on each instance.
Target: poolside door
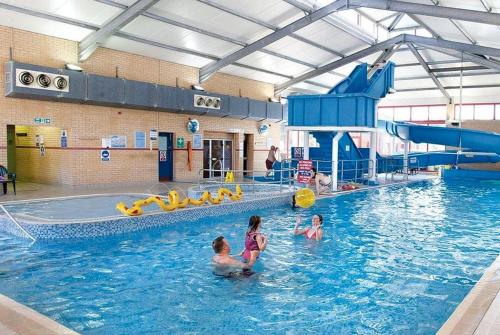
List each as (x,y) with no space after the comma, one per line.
(166,156)
(217,156)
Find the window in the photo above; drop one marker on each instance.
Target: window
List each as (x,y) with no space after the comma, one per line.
(387,113)
(420,113)
(437,113)
(466,114)
(402,113)
(497,112)
(484,112)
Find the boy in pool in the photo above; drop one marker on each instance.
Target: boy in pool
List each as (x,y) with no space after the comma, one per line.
(223,263)
(315,232)
(255,242)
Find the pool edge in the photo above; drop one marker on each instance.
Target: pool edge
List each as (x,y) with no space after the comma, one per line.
(479,311)
(18,319)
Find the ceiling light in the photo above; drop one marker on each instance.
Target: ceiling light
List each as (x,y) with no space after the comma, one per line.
(197,87)
(73,67)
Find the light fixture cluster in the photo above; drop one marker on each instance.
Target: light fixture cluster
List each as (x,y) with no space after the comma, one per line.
(41,80)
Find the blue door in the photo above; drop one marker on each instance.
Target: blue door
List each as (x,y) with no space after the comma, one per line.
(166,156)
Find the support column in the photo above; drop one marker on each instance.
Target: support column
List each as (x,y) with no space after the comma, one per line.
(335,160)
(405,158)
(306,145)
(373,156)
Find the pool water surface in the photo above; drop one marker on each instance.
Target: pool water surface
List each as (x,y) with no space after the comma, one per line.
(394,260)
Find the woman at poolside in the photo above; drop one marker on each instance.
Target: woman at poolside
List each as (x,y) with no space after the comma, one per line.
(315,232)
(322,182)
(255,241)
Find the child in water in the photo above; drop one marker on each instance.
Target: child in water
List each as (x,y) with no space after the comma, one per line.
(315,232)
(255,242)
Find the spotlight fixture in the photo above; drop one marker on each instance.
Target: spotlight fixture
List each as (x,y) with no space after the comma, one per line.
(197,87)
(283,100)
(391,91)
(273,99)
(73,67)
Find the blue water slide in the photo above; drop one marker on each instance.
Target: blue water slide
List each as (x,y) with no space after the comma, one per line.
(466,139)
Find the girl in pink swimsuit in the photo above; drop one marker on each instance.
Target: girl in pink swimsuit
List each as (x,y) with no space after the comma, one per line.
(315,232)
(255,242)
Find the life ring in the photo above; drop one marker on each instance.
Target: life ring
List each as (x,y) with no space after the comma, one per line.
(174,201)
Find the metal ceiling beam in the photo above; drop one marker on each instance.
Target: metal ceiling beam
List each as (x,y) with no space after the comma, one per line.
(209,69)
(421,60)
(428,10)
(441,43)
(395,22)
(337,22)
(138,39)
(424,25)
(468,57)
(446,87)
(90,43)
(438,62)
(369,18)
(382,59)
(268,26)
(338,63)
(407,28)
(461,68)
(459,27)
(451,75)
(387,17)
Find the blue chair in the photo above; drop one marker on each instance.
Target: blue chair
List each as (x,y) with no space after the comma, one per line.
(7,177)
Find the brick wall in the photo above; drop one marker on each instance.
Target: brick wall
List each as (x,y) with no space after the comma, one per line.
(486,125)
(86,125)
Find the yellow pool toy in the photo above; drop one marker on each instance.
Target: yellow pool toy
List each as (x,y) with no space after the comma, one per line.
(174,201)
(305,198)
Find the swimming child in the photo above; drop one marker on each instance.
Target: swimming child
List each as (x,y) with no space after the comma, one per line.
(315,232)
(255,242)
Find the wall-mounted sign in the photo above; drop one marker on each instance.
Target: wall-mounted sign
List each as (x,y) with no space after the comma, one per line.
(140,139)
(105,155)
(39,140)
(298,153)
(180,143)
(304,172)
(41,120)
(64,133)
(197,141)
(64,142)
(163,155)
(118,141)
(105,142)
(264,128)
(153,134)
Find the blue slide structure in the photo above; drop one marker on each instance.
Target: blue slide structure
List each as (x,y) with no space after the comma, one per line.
(351,106)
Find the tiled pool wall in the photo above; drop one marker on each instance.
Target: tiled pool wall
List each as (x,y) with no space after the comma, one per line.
(125,224)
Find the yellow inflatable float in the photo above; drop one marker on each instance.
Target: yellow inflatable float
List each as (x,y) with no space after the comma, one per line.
(305,198)
(174,201)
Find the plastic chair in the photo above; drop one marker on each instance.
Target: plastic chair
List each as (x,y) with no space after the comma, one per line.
(7,177)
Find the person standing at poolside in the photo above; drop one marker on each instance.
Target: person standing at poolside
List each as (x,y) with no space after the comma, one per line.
(255,241)
(315,232)
(223,262)
(271,158)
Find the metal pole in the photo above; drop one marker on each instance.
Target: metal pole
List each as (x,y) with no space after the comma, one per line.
(335,158)
(306,145)
(405,158)
(373,156)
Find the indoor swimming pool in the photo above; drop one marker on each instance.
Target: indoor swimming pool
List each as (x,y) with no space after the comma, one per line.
(394,260)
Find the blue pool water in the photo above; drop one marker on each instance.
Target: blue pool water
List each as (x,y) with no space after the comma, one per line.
(395,260)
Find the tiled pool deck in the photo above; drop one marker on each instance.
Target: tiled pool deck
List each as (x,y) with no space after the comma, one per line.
(478,314)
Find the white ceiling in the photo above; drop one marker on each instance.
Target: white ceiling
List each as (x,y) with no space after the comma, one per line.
(318,43)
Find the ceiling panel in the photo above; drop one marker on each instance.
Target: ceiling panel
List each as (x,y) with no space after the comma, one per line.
(329,36)
(209,18)
(251,74)
(122,44)
(42,26)
(297,49)
(275,12)
(272,63)
(164,33)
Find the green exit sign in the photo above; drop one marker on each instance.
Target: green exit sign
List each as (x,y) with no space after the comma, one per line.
(180,142)
(42,120)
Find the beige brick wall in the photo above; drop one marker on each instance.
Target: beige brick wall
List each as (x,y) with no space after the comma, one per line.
(86,125)
(487,125)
